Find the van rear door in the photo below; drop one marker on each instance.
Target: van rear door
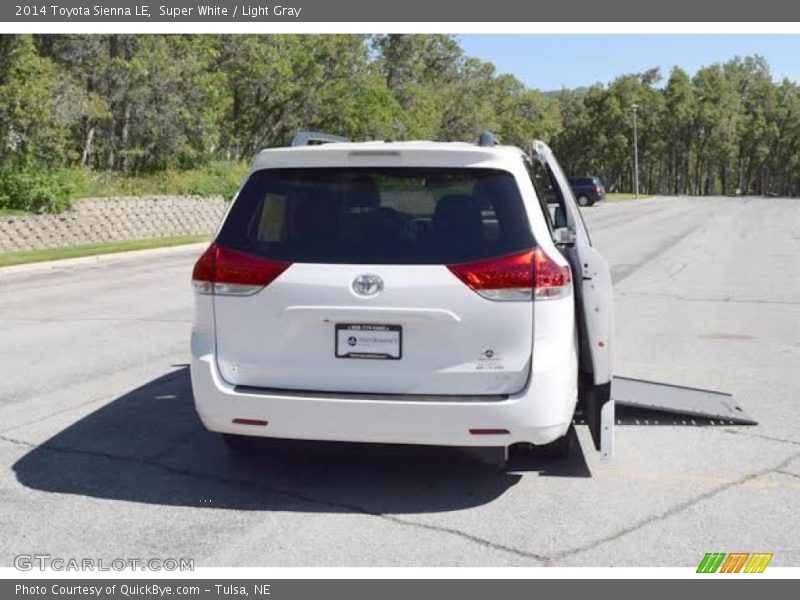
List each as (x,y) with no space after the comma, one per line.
(390,280)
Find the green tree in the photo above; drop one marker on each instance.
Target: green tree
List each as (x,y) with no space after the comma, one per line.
(134,103)
(35,105)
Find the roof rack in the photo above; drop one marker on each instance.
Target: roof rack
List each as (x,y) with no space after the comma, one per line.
(310,138)
(488,139)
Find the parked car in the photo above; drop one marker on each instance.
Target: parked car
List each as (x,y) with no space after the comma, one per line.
(587,190)
(402,292)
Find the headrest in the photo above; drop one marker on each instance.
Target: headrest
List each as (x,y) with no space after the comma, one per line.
(493,188)
(363,192)
(314,211)
(456,203)
(458,214)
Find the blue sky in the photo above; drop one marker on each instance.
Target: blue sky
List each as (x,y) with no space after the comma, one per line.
(550,62)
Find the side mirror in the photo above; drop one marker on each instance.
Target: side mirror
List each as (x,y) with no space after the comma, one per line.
(563,236)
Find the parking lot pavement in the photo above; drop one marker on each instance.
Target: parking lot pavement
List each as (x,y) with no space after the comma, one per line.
(101,454)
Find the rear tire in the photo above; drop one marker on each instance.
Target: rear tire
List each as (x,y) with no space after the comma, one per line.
(584,201)
(489,455)
(560,448)
(238,444)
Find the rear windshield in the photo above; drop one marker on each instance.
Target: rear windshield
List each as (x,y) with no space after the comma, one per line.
(378,215)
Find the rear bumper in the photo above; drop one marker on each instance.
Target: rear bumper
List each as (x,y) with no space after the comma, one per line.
(539,414)
(594,197)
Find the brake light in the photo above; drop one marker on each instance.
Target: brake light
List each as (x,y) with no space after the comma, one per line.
(203,272)
(227,272)
(522,276)
(551,279)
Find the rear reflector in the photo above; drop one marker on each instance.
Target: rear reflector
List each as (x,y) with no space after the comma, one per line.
(229,272)
(489,431)
(522,276)
(251,422)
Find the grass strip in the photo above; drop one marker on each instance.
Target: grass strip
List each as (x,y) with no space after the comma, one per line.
(622,197)
(30,256)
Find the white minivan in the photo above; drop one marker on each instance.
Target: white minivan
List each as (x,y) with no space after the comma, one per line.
(404,293)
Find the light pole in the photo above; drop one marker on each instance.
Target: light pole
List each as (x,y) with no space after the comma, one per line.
(635,109)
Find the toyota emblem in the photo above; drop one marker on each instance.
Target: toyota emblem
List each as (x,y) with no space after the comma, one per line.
(367,285)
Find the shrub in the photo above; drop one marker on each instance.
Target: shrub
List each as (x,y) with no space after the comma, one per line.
(26,187)
(23,186)
(219,178)
(216,179)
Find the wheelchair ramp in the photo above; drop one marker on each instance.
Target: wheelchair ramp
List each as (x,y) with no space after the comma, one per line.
(676,399)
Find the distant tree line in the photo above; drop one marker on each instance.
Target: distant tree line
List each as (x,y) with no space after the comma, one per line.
(146,103)
(729,129)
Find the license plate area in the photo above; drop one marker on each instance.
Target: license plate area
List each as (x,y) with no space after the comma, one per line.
(369,341)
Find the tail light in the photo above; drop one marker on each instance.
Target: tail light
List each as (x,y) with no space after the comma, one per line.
(227,272)
(551,280)
(527,275)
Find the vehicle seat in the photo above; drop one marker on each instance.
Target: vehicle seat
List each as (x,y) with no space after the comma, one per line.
(315,214)
(363,195)
(457,223)
(368,223)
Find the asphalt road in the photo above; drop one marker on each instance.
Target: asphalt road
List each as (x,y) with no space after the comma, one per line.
(101,454)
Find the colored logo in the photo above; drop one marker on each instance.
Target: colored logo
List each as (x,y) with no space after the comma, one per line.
(735,562)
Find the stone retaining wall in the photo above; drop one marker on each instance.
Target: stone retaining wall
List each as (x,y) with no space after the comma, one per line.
(97,220)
